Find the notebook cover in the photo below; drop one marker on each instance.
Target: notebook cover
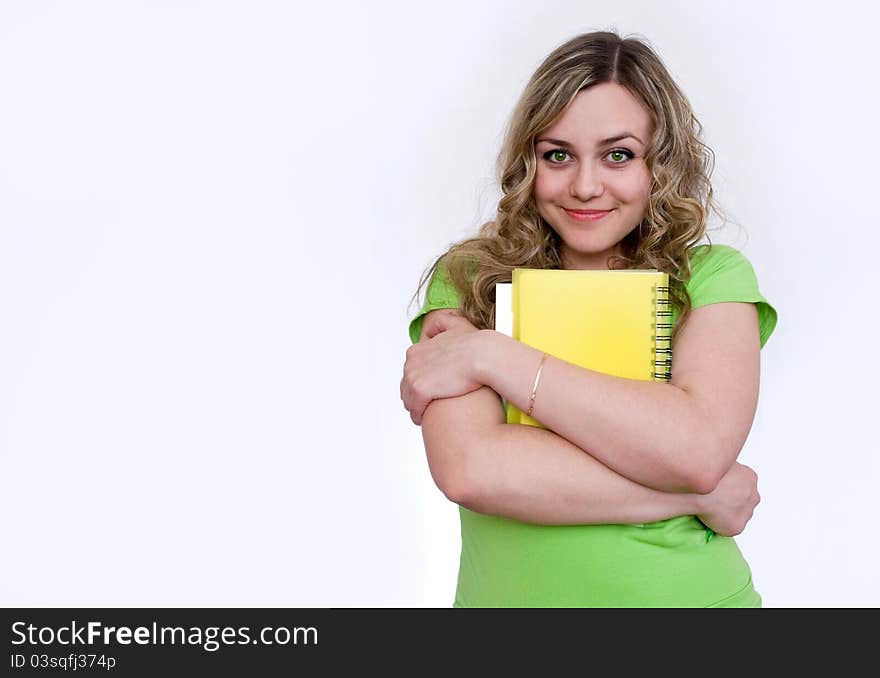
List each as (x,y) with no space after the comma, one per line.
(602,320)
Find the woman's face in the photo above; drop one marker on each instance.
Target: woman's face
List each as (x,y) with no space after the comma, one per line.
(592,182)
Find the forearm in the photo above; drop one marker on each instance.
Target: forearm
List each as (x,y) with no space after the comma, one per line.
(531,474)
(647,431)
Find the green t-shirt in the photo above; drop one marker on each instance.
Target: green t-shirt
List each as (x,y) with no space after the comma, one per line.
(669,563)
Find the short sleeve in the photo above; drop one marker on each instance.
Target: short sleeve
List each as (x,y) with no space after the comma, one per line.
(441,294)
(722,274)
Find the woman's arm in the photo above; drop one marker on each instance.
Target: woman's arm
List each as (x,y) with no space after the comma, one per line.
(678,437)
(533,475)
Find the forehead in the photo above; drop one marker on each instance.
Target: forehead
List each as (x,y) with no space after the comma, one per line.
(599,112)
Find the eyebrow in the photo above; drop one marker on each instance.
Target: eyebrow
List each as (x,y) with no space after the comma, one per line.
(609,140)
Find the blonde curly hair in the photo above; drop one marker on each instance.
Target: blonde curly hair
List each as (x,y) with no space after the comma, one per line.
(680,164)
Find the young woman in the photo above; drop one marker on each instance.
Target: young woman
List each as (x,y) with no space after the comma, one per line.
(632,494)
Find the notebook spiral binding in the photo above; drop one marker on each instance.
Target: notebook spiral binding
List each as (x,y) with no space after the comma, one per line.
(663,336)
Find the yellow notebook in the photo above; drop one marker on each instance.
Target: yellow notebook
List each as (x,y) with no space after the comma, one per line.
(616,322)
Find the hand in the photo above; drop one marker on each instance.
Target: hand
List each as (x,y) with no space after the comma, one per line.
(728,507)
(444,319)
(442,364)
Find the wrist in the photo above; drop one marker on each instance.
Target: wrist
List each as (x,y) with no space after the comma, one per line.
(482,357)
(697,503)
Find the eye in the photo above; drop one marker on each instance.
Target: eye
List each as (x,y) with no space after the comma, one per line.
(620,155)
(556,156)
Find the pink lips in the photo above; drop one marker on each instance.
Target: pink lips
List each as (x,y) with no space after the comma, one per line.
(586,215)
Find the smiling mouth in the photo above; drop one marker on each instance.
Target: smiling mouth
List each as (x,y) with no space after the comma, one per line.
(586,215)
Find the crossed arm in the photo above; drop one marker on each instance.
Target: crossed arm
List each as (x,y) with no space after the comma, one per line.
(618,450)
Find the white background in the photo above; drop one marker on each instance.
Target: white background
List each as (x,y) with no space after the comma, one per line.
(213,216)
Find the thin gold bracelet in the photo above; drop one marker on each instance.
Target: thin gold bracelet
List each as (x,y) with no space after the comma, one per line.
(535,386)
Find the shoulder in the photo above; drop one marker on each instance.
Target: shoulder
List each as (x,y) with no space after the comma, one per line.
(721,273)
(707,262)
(441,293)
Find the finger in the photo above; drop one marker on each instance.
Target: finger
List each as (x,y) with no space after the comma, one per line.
(406,397)
(405,383)
(439,322)
(429,328)
(420,411)
(417,409)
(434,328)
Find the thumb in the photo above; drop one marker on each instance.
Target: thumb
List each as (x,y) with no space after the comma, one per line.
(433,329)
(437,323)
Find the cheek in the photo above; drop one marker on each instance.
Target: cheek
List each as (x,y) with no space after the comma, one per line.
(540,189)
(636,189)
(547,185)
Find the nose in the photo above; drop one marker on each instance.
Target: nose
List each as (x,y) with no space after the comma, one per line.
(586,183)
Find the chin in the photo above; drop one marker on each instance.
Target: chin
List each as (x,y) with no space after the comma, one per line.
(588,248)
